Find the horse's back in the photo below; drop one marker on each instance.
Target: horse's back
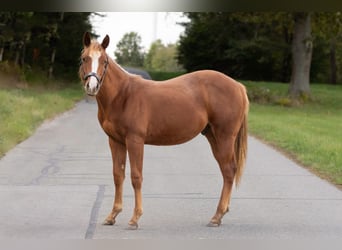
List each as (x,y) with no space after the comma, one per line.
(215,86)
(210,79)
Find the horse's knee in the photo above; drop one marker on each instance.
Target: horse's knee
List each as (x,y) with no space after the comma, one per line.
(136,181)
(118,177)
(118,180)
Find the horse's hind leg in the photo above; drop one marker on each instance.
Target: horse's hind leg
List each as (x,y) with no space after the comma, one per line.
(119,161)
(222,146)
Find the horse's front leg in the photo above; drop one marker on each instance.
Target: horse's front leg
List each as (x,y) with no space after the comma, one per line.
(135,147)
(119,162)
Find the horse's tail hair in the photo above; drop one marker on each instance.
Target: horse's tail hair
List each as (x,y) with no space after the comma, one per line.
(240,146)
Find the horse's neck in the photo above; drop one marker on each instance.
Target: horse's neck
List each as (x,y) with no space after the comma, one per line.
(115,80)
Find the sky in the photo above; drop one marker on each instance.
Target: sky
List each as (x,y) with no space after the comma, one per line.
(149,25)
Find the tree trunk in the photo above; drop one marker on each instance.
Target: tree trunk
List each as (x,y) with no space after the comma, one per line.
(22,59)
(301,55)
(53,55)
(333,64)
(1,53)
(17,54)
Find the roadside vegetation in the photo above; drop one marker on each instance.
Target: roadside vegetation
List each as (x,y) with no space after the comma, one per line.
(309,130)
(25,106)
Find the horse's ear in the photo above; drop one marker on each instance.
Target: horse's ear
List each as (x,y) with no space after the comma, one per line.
(86,39)
(105,42)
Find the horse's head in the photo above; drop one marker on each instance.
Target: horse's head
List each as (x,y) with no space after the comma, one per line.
(94,62)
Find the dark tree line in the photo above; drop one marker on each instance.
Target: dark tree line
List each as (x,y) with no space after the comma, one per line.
(270,46)
(243,45)
(48,41)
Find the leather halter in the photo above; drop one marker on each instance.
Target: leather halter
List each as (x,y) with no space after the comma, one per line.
(99,79)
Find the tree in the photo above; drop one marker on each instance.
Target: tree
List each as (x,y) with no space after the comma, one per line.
(69,42)
(37,40)
(15,34)
(301,55)
(244,45)
(327,30)
(162,58)
(6,32)
(129,50)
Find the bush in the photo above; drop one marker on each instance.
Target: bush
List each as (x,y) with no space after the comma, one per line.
(284,101)
(264,95)
(260,95)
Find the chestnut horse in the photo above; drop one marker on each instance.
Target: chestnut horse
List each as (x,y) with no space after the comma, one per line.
(133,111)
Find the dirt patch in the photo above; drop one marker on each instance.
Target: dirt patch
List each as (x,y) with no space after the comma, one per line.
(11,81)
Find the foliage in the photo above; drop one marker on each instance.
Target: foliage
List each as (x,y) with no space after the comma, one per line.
(313,131)
(257,45)
(43,40)
(261,94)
(242,45)
(162,58)
(327,56)
(69,44)
(129,50)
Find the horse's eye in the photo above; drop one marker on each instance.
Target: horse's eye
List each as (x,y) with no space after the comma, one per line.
(85,59)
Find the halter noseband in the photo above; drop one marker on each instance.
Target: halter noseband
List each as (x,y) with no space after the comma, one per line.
(99,79)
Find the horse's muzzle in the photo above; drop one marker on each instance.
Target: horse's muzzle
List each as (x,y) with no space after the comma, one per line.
(93,85)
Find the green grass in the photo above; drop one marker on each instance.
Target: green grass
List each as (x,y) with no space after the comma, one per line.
(310,133)
(22,110)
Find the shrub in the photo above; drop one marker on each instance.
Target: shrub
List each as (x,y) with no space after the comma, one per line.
(260,95)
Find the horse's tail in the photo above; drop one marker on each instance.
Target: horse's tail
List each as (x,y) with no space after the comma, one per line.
(240,146)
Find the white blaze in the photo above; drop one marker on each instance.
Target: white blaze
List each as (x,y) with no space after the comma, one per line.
(94,65)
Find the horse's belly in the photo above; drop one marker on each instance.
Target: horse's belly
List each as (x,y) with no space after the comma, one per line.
(168,140)
(172,132)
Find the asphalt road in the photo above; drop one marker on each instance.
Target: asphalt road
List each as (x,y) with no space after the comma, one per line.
(58,185)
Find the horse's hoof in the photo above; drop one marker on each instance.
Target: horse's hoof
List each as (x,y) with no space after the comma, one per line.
(132,226)
(214,224)
(108,222)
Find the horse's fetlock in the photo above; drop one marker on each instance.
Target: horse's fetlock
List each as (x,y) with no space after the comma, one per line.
(117,210)
(139,212)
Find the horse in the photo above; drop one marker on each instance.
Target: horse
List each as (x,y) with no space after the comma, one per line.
(134,111)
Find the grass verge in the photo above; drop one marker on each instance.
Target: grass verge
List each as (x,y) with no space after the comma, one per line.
(23,109)
(311,133)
